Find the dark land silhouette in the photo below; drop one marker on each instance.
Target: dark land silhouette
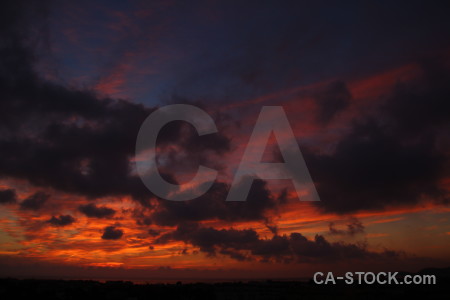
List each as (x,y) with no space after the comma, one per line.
(11,288)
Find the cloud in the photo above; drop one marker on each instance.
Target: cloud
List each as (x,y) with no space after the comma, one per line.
(394,155)
(247,245)
(353,227)
(93,211)
(334,98)
(62,220)
(153,232)
(66,138)
(35,201)
(371,169)
(8,196)
(212,205)
(421,106)
(111,233)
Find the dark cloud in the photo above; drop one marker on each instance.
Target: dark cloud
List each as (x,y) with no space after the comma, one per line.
(8,196)
(93,211)
(55,136)
(353,227)
(422,106)
(153,232)
(247,245)
(112,233)
(35,201)
(75,141)
(212,205)
(66,138)
(207,238)
(371,169)
(395,156)
(141,216)
(298,44)
(142,219)
(331,100)
(62,220)
(186,150)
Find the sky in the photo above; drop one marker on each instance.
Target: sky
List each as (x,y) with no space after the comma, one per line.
(365,88)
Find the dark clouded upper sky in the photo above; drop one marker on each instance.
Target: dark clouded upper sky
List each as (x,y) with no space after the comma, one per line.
(365,87)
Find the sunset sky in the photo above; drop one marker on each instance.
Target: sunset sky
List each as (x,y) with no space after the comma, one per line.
(365,87)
